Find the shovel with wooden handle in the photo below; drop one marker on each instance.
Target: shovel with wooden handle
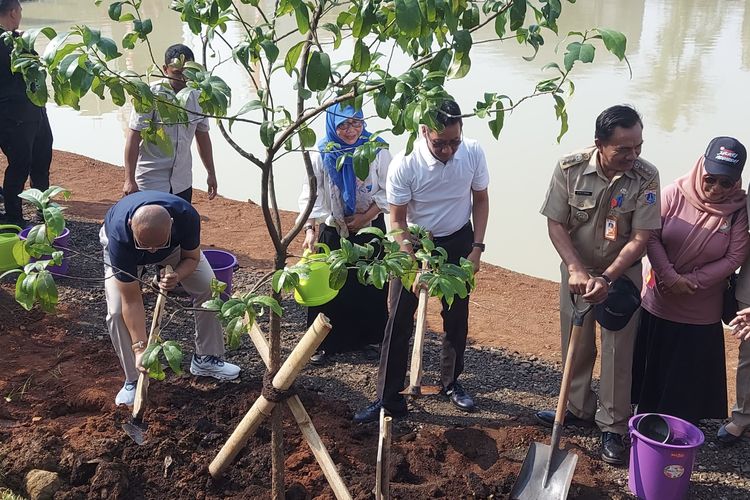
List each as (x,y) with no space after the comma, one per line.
(136,429)
(415,388)
(547,471)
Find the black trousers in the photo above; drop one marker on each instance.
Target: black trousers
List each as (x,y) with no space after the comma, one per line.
(186,195)
(402,304)
(28,147)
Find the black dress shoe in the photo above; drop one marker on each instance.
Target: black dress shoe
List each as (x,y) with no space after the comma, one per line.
(613,449)
(372,412)
(319,358)
(725,437)
(459,397)
(547,419)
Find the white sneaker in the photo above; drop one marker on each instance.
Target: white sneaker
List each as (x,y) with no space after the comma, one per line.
(213,366)
(126,396)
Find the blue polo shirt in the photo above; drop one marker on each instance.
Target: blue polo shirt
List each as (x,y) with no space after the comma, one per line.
(186,231)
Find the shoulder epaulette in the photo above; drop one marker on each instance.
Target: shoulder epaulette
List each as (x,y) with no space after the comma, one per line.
(645,168)
(574,159)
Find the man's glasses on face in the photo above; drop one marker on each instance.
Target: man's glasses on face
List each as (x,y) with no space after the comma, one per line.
(725,183)
(167,244)
(350,124)
(442,145)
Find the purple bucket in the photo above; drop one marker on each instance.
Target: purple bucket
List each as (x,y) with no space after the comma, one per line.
(661,471)
(223,265)
(61,243)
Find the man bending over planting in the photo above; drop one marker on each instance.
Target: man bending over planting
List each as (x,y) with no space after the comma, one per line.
(152,227)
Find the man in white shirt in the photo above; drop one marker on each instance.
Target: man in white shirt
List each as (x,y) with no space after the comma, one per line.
(442,186)
(146,166)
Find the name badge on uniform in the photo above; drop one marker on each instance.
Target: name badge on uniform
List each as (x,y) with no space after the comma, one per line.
(610,228)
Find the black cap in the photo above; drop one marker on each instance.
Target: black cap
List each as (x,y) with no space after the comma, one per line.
(623,300)
(725,156)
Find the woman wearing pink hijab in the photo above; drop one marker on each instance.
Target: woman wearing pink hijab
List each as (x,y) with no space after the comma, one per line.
(678,366)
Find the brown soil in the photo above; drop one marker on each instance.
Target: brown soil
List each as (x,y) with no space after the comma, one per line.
(60,376)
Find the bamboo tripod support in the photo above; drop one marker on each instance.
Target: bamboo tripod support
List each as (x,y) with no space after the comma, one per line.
(262,407)
(306,426)
(383,465)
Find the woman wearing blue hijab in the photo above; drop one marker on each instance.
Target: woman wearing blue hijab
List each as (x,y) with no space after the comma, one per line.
(345,204)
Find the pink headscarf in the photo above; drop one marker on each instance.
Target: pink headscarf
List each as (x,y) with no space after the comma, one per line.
(714,214)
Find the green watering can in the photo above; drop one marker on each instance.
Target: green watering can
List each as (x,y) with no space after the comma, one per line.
(314,289)
(12,254)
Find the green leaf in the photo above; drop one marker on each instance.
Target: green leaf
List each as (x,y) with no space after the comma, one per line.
(307,137)
(233,308)
(500,21)
(318,71)
(361,57)
(213,305)
(151,356)
(462,41)
(115,10)
(496,124)
(234,330)
(173,353)
(577,51)
(517,14)
(267,133)
(409,17)
(270,302)
(382,103)
(614,41)
(460,66)
(271,50)
(292,56)
(156,371)
(53,218)
(338,276)
(372,230)
(108,47)
(25,290)
(34,196)
(302,15)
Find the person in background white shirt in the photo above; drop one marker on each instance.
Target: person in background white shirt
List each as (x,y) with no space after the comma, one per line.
(442,186)
(146,166)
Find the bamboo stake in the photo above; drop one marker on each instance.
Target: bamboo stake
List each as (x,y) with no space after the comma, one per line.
(330,471)
(262,407)
(383,465)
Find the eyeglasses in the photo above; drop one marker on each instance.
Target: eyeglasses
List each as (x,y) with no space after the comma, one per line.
(724,182)
(168,243)
(441,145)
(348,124)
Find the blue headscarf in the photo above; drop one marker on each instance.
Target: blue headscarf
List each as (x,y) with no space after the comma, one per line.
(345,179)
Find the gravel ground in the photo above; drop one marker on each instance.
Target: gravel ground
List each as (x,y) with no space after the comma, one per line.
(506,386)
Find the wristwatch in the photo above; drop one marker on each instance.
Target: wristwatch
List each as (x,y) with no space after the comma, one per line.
(139,346)
(607,279)
(478,245)
(306,227)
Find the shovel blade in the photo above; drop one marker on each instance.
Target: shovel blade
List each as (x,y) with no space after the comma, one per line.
(136,432)
(546,474)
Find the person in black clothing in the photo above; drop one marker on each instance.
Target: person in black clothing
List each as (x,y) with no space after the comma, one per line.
(25,134)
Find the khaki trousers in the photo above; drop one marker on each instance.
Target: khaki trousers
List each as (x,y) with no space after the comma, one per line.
(612,410)
(741,410)
(209,338)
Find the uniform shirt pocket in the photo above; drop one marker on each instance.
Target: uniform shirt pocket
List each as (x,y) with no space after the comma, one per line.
(582,209)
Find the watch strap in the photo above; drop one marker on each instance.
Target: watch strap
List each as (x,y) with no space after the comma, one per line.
(478,245)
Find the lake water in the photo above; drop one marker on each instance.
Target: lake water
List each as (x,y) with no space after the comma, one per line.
(691,71)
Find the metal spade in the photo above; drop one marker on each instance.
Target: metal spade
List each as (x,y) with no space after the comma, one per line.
(547,471)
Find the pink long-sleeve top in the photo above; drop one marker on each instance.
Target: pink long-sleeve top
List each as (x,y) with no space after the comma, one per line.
(725,251)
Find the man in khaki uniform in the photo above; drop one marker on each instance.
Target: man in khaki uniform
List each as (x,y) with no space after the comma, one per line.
(601,206)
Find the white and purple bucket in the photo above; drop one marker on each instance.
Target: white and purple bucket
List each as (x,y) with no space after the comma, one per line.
(223,264)
(60,243)
(661,470)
